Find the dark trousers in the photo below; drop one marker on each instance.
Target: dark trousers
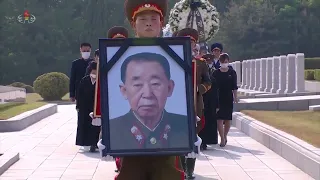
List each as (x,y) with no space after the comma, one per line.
(188,165)
(149,168)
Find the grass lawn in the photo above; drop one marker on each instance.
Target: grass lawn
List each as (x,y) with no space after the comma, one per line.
(33,101)
(302,124)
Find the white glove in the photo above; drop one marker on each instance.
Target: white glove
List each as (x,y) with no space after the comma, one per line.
(194,155)
(198,119)
(102,147)
(96,122)
(91,115)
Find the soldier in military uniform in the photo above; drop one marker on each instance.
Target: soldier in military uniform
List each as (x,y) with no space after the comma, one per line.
(147,19)
(216,50)
(209,134)
(203,84)
(117,32)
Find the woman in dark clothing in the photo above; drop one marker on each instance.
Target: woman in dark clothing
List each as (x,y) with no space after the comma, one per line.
(87,134)
(226,79)
(96,60)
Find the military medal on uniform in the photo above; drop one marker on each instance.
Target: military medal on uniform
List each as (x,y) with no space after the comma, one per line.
(165,134)
(138,135)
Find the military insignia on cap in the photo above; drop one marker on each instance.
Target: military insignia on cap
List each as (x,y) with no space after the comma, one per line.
(147,5)
(153,140)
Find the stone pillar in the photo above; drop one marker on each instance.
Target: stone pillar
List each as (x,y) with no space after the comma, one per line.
(291,75)
(238,71)
(244,74)
(275,74)
(247,75)
(263,74)
(252,74)
(282,74)
(232,64)
(269,75)
(300,84)
(257,75)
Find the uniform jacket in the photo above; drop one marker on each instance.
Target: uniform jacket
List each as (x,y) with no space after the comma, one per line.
(203,83)
(127,132)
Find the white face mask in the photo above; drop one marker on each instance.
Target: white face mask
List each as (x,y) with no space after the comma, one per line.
(93,76)
(224,65)
(85,55)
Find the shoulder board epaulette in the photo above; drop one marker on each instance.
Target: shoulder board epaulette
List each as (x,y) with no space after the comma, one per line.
(200,59)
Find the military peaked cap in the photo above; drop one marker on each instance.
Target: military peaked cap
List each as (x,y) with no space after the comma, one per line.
(189,32)
(208,56)
(216,46)
(134,7)
(118,32)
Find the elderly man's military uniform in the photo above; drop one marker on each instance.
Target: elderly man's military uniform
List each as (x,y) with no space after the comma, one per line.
(171,132)
(148,167)
(203,84)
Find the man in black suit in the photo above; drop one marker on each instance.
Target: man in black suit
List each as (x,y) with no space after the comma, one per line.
(78,69)
(146,85)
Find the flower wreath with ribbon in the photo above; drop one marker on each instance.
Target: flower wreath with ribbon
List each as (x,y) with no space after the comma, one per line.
(196,14)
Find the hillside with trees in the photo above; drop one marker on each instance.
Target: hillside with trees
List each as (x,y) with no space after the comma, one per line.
(249,29)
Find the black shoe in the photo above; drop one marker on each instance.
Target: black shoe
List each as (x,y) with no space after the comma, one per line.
(92,148)
(204,147)
(190,162)
(190,176)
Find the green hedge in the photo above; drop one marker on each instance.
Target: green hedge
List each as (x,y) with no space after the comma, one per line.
(309,74)
(317,74)
(312,63)
(17,84)
(29,89)
(52,86)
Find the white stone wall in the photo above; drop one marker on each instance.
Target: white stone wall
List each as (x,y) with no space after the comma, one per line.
(278,74)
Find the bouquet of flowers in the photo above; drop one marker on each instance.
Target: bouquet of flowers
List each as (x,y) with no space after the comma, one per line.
(179,17)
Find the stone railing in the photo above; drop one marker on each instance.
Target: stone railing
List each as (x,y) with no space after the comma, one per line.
(278,74)
(12,94)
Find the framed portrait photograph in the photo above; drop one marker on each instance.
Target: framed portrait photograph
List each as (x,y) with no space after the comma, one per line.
(146,94)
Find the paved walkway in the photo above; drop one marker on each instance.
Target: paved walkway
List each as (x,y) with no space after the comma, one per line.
(48,152)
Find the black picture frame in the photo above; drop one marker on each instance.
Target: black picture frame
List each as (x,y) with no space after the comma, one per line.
(186,64)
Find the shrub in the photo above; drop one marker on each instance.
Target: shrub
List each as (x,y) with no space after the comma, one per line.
(317,74)
(18,84)
(29,89)
(309,74)
(52,86)
(312,63)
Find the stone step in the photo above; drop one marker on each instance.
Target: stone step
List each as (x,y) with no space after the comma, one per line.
(314,108)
